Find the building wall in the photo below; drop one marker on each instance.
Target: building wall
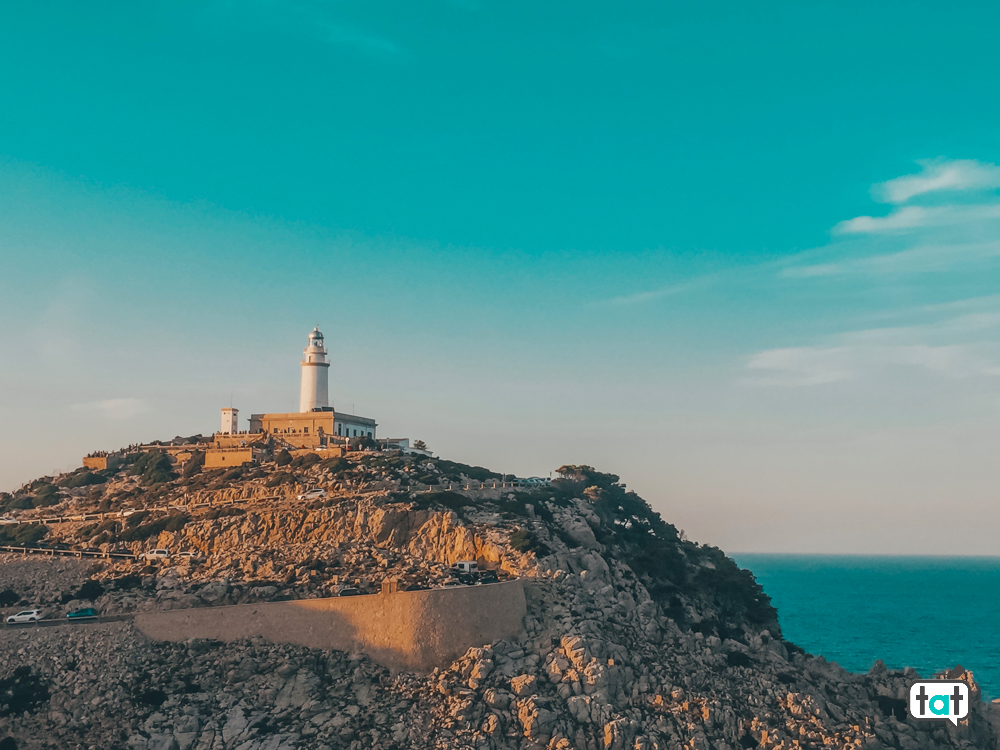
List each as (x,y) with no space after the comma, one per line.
(218,457)
(315,386)
(100,463)
(344,426)
(411,630)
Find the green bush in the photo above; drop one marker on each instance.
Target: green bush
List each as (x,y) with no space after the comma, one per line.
(89,591)
(21,534)
(193,465)
(304,461)
(24,692)
(335,465)
(82,479)
(153,467)
(225,512)
(136,518)
(451,500)
(523,540)
(11,502)
(154,528)
(478,473)
(279,478)
(45,495)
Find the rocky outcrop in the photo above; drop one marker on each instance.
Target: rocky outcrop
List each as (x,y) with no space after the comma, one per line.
(633,637)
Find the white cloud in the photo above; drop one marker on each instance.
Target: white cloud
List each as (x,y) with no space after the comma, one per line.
(939,175)
(917,217)
(956,347)
(114,408)
(921,259)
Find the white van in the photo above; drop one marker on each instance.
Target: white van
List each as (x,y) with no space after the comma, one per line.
(466,566)
(157,554)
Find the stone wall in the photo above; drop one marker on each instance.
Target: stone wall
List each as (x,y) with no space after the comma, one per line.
(219,457)
(410,630)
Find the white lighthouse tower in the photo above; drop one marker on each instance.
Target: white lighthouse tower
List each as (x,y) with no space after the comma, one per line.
(315,375)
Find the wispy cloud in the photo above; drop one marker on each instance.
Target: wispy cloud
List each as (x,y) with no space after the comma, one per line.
(916,217)
(654,294)
(939,175)
(954,224)
(955,347)
(114,408)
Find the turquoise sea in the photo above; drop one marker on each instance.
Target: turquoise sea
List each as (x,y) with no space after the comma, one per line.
(929,613)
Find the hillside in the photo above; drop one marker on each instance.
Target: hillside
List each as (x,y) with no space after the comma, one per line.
(634,636)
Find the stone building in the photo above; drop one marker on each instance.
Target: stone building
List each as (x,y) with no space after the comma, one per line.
(316,424)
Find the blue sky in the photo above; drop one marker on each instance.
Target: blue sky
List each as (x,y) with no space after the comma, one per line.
(746,257)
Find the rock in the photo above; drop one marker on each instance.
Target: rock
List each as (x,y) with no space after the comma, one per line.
(523,684)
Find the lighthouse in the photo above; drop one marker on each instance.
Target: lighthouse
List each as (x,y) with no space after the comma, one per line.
(315,375)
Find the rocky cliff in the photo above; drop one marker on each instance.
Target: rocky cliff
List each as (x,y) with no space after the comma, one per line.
(634,637)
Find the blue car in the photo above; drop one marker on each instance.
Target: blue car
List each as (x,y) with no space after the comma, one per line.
(80,613)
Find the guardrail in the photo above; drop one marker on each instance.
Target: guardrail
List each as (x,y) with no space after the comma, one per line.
(68,552)
(125,514)
(51,623)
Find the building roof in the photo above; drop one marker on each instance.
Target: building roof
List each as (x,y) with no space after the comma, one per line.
(342,417)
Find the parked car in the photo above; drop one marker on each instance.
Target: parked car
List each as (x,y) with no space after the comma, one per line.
(189,555)
(468,579)
(78,614)
(488,576)
(348,591)
(28,615)
(157,554)
(312,494)
(466,566)
(60,546)
(128,512)
(7,520)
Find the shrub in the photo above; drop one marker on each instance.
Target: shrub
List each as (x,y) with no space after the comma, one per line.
(136,518)
(8,598)
(304,461)
(279,478)
(154,467)
(225,512)
(17,503)
(154,528)
(335,465)
(23,692)
(151,698)
(22,534)
(82,479)
(127,582)
(524,540)
(282,458)
(477,473)
(451,500)
(193,465)
(90,591)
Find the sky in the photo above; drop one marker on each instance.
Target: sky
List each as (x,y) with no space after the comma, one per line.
(745,256)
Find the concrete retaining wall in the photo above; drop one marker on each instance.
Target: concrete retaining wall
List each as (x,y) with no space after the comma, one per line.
(408,630)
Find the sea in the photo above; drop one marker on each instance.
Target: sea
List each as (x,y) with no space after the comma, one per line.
(929,613)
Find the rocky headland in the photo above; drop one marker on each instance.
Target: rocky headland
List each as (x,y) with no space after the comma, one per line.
(635,638)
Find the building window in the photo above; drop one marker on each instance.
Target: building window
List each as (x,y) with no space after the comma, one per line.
(305,430)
